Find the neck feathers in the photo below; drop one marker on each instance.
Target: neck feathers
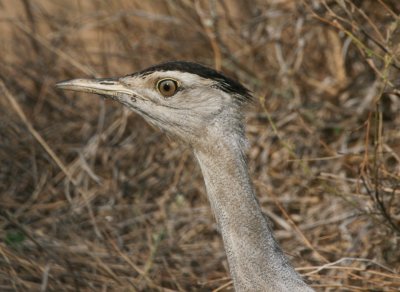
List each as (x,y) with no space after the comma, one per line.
(255,259)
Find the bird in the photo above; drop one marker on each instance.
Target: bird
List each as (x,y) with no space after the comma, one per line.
(203,109)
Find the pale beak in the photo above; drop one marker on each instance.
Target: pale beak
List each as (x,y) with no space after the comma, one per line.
(105,86)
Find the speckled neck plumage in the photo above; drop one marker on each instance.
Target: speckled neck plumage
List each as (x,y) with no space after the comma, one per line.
(255,259)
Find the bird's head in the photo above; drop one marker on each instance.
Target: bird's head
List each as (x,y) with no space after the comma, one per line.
(186,100)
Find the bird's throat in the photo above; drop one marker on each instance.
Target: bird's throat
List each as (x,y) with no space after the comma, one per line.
(255,260)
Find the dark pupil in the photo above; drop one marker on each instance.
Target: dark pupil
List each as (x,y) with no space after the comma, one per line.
(167,86)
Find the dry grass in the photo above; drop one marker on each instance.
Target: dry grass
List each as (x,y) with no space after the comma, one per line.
(92,198)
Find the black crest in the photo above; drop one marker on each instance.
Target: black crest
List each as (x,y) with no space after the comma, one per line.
(223,82)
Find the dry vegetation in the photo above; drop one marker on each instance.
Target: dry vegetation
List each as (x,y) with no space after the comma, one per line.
(93,199)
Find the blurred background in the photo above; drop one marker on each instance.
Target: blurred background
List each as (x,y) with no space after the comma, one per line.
(94,199)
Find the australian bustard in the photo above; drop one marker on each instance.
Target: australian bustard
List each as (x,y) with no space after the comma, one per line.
(203,109)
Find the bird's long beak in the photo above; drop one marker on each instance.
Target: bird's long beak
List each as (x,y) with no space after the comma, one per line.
(105,86)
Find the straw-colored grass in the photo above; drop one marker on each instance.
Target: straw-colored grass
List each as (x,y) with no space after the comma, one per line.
(94,199)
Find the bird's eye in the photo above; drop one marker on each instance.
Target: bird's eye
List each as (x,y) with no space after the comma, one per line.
(167,87)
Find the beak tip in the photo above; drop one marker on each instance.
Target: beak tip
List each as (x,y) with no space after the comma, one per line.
(62,84)
(104,86)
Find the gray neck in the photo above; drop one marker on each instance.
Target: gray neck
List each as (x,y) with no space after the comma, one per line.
(255,259)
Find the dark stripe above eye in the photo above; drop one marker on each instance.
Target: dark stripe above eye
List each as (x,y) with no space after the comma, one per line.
(224,83)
